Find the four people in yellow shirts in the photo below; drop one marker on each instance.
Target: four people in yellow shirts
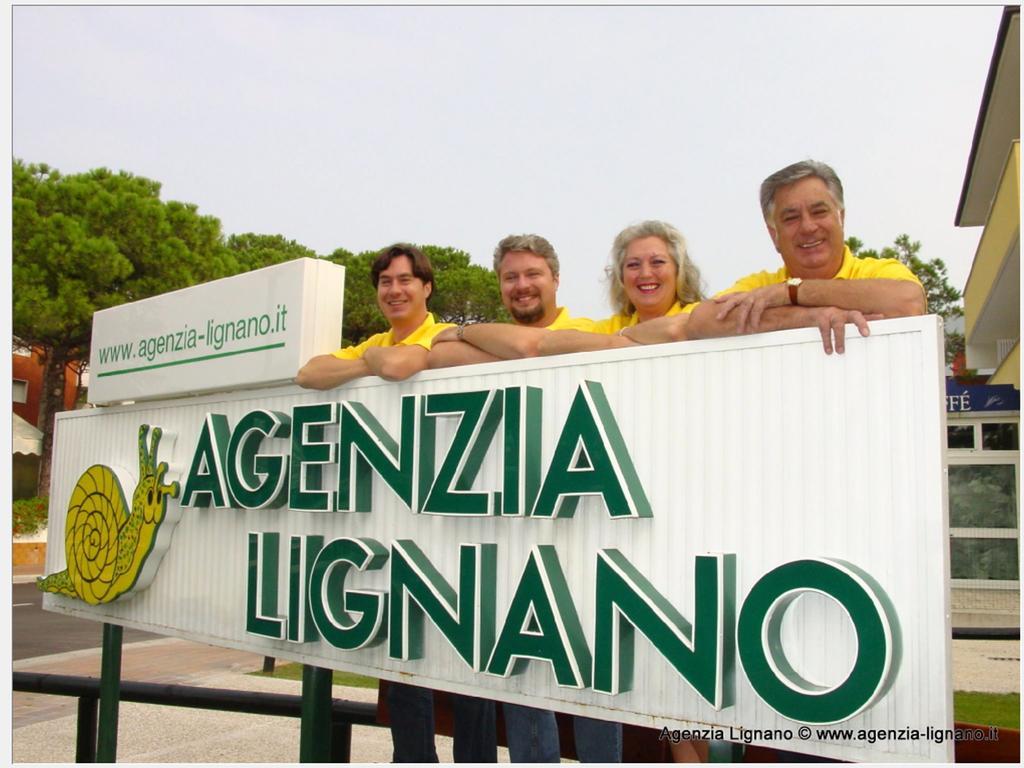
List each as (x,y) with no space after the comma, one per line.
(655,290)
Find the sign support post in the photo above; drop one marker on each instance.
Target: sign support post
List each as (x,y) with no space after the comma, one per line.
(315,728)
(724,751)
(110,693)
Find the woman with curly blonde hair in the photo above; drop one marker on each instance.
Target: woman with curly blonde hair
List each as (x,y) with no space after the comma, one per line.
(650,276)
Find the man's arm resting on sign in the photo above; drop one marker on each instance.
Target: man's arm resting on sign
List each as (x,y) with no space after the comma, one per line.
(883,297)
(446,353)
(328,371)
(659,330)
(563,342)
(504,341)
(705,322)
(396,363)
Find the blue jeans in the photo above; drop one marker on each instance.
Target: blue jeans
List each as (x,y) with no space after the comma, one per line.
(533,737)
(412,726)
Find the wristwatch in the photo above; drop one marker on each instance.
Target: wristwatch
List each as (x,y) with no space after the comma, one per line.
(794,285)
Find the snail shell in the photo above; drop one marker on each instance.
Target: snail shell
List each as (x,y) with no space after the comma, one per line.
(96,514)
(107,544)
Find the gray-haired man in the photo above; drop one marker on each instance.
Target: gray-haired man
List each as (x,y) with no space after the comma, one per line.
(821,283)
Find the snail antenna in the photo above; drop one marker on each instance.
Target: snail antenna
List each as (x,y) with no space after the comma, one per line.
(145,461)
(155,442)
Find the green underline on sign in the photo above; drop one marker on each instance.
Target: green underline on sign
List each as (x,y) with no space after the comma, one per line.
(192,360)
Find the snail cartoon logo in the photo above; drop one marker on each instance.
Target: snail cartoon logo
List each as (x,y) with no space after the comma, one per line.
(111,549)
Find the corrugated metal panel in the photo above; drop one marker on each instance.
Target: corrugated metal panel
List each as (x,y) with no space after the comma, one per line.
(761,446)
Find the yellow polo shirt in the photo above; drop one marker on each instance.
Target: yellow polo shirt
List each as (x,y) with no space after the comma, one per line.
(852,268)
(565,323)
(422,336)
(616,323)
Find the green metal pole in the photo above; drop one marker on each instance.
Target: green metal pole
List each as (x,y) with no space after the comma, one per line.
(85,736)
(110,693)
(315,729)
(725,752)
(341,742)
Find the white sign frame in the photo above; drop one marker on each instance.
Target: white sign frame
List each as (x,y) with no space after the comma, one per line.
(786,453)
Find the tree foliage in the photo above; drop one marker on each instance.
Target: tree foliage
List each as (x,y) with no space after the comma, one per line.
(93,240)
(361,318)
(253,251)
(463,292)
(89,241)
(943,299)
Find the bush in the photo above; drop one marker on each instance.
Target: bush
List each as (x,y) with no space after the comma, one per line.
(30,515)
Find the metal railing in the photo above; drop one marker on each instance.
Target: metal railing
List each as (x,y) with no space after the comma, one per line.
(344,714)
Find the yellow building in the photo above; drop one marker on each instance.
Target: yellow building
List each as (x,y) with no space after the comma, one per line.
(983,422)
(991,198)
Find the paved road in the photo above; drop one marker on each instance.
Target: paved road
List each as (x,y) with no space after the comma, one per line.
(36,632)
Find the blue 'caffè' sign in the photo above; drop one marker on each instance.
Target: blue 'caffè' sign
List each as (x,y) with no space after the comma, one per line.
(980,397)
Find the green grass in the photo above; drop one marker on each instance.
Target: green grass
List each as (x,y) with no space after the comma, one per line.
(293,671)
(1002,709)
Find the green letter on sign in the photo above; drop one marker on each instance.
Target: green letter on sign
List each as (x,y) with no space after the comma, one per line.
(261,589)
(331,603)
(542,623)
(365,447)
(466,619)
(521,449)
(591,459)
(627,601)
(257,480)
(206,478)
(479,415)
(310,452)
(764,660)
(304,550)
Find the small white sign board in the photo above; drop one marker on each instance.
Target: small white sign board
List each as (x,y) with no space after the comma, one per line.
(245,331)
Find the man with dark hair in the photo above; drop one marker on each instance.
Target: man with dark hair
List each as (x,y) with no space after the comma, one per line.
(821,283)
(404,281)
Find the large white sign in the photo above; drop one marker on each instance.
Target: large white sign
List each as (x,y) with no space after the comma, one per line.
(743,538)
(249,330)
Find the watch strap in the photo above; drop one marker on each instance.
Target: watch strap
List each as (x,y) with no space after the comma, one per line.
(794,287)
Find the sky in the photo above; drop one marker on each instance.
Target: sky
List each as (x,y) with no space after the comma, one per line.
(358,126)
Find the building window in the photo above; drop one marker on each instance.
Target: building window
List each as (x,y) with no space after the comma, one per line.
(960,436)
(999,437)
(19,391)
(983,520)
(983,462)
(992,434)
(984,559)
(983,496)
